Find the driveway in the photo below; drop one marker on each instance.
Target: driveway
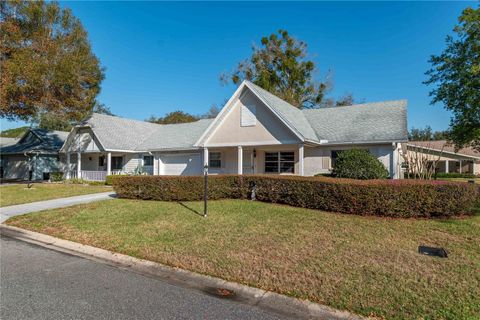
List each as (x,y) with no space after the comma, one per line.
(10,211)
(39,283)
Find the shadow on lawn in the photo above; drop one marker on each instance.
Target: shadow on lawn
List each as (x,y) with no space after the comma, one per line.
(190,209)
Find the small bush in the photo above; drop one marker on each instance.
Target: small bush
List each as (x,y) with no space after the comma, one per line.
(358,164)
(455,175)
(391,198)
(56,176)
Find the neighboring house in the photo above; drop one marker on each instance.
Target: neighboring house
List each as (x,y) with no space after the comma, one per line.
(256,132)
(34,156)
(466,160)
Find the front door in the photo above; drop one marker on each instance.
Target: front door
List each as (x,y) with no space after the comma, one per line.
(248,164)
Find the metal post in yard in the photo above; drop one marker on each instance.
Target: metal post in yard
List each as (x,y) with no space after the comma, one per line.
(205,194)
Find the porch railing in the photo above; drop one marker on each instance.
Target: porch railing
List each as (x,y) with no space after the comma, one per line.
(92,175)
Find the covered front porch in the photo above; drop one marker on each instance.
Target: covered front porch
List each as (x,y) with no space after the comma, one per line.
(96,166)
(255,159)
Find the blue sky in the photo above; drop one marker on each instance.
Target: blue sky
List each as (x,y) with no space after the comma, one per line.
(160,57)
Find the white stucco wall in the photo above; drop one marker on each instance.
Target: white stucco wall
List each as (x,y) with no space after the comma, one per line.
(318,159)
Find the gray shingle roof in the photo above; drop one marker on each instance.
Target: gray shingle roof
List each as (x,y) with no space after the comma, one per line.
(175,136)
(48,142)
(369,122)
(117,133)
(292,115)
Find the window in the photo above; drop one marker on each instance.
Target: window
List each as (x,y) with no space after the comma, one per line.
(247,116)
(117,163)
(280,162)
(101,161)
(148,160)
(215,159)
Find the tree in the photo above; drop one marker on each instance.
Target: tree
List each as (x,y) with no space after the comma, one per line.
(46,61)
(173,117)
(455,73)
(14,132)
(280,66)
(54,121)
(358,164)
(102,108)
(426,134)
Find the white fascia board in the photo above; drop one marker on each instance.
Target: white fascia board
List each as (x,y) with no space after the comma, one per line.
(360,142)
(445,152)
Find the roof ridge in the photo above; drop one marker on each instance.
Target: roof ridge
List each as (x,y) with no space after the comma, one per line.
(405,101)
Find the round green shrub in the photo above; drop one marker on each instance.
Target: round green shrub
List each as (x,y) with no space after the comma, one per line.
(358,164)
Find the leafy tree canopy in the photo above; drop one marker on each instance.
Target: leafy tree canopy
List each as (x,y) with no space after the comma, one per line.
(14,132)
(173,117)
(184,117)
(426,134)
(455,75)
(47,62)
(280,65)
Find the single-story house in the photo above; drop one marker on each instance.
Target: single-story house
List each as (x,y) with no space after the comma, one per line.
(33,157)
(255,132)
(466,160)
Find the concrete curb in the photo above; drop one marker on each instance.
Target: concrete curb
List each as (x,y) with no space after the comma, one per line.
(287,306)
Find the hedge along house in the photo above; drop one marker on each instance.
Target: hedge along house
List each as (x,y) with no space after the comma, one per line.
(34,156)
(446,159)
(255,133)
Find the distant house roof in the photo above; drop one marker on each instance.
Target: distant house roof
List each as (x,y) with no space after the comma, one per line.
(4,141)
(115,133)
(446,147)
(369,122)
(37,140)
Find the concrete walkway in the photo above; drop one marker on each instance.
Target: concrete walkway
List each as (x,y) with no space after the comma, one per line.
(7,212)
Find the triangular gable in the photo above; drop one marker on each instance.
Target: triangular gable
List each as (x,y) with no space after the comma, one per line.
(232,103)
(82,139)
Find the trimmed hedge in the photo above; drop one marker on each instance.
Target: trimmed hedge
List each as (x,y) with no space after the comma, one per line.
(389,198)
(109,179)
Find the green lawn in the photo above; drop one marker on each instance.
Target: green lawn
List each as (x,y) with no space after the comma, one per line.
(367,265)
(17,194)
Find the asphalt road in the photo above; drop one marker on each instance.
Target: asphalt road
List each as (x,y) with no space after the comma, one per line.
(39,283)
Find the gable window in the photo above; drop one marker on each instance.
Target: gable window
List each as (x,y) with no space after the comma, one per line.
(248,116)
(280,162)
(215,159)
(117,163)
(148,160)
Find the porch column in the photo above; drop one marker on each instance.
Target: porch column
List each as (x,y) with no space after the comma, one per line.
(109,163)
(240,160)
(460,168)
(473,167)
(67,169)
(79,165)
(300,160)
(446,166)
(205,157)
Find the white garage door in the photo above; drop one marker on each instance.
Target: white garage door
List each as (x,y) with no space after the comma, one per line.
(181,164)
(16,168)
